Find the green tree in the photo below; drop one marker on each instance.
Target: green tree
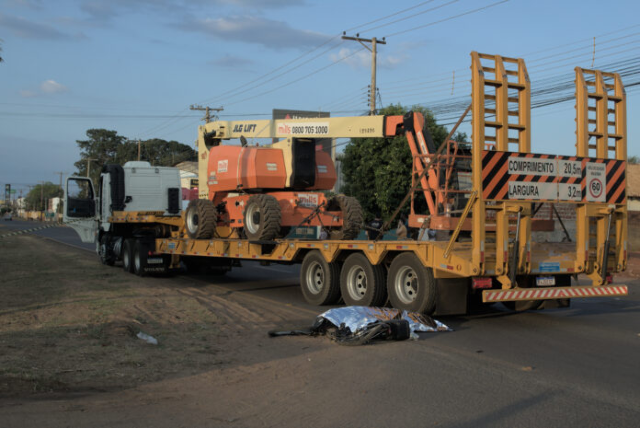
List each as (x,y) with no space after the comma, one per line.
(102,147)
(377,171)
(161,152)
(633,159)
(107,147)
(37,197)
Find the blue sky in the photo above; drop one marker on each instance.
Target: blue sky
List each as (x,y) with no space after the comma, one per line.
(135,66)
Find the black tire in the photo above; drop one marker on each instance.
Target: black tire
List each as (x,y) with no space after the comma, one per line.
(411,286)
(262,218)
(140,254)
(352,217)
(361,283)
(105,251)
(127,255)
(523,305)
(200,219)
(320,281)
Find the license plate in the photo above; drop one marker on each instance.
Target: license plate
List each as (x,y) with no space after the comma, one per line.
(545,281)
(154,261)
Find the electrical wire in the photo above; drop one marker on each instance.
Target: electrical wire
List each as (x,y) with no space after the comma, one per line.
(419,27)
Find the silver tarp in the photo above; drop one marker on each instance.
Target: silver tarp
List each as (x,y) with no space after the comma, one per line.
(358,317)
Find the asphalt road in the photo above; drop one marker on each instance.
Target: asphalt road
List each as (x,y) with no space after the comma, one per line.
(575,367)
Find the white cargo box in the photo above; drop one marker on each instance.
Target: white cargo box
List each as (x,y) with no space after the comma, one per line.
(147,187)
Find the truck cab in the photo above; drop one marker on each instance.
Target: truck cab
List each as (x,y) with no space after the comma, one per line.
(134,187)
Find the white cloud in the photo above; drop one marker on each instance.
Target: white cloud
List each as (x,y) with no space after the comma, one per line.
(26,29)
(256,30)
(25,93)
(362,59)
(52,87)
(353,59)
(48,87)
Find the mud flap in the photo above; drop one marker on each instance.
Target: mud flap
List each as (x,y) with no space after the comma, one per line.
(452,296)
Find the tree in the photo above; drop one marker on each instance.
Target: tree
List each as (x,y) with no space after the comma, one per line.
(633,159)
(377,171)
(107,147)
(161,152)
(37,197)
(1,51)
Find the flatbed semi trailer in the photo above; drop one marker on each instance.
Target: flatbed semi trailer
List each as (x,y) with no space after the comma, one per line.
(499,262)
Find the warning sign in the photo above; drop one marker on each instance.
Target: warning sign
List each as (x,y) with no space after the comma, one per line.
(532,166)
(537,177)
(596,182)
(532,190)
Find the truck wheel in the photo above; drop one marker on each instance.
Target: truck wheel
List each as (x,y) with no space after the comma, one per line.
(524,305)
(140,254)
(411,286)
(127,255)
(361,283)
(105,251)
(200,219)
(352,217)
(262,218)
(319,280)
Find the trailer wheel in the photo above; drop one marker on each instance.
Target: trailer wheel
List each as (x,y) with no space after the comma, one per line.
(105,251)
(411,286)
(200,219)
(361,283)
(127,255)
(524,305)
(140,254)
(319,280)
(262,218)
(352,217)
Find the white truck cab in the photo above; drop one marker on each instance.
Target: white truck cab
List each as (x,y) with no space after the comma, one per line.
(136,186)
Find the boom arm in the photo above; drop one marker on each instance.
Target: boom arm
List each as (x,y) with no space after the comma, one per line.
(334,127)
(411,124)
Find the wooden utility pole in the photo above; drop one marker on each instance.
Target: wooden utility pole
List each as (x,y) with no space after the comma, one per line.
(373,49)
(207,110)
(89,166)
(42,198)
(60,174)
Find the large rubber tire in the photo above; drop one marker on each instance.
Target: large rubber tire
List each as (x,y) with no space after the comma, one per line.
(127,255)
(411,286)
(320,281)
(524,305)
(200,219)
(352,217)
(105,250)
(361,283)
(262,218)
(140,254)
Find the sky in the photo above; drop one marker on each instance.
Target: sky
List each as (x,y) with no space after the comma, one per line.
(135,66)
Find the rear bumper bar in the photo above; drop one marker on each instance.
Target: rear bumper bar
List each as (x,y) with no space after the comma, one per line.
(553,293)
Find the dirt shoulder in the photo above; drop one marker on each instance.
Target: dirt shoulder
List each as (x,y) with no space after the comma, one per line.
(68,323)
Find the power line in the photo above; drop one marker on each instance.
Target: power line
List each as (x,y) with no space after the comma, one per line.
(409,17)
(448,19)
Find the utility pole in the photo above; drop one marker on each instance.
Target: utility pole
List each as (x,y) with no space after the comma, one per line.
(89,166)
(373,49)
(207,110)
(42,198)
(60,174)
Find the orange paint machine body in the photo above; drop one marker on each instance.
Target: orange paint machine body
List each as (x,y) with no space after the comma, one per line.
(263,192)
(247,169)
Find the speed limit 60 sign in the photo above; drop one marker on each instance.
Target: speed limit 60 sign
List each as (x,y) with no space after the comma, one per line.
(596,182)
